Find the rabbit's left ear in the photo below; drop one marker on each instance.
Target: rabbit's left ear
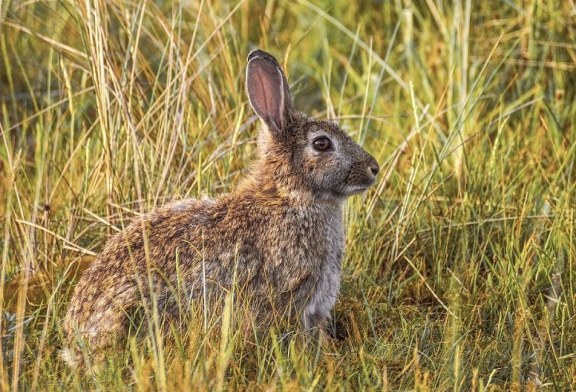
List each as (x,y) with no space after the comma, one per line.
(268,90)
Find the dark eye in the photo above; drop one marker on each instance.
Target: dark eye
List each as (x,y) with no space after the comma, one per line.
(322,144)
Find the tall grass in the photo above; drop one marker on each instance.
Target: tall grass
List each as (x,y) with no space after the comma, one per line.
(459,272)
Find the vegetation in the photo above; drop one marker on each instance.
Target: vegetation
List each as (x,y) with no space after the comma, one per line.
(459,272)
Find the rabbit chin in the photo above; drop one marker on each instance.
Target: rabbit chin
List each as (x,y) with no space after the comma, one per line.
(350,190)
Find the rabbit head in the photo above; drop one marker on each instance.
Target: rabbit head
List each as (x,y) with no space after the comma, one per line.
(303,155)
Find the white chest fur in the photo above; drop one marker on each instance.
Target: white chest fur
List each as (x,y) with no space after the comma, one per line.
(325,294)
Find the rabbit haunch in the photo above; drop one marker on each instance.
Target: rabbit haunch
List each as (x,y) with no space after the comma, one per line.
(278,238)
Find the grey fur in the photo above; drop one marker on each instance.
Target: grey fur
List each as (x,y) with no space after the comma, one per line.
(279,235)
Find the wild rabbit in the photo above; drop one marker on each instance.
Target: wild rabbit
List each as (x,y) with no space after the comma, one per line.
(279,235)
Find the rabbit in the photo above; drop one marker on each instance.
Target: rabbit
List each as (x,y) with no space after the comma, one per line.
(280,235)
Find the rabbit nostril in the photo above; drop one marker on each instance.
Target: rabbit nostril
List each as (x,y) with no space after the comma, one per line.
(374,169)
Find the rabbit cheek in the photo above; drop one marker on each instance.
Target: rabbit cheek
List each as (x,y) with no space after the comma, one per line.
(324,171)
(309,167)
(311,172)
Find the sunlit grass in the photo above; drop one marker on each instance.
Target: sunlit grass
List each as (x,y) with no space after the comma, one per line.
(459,267)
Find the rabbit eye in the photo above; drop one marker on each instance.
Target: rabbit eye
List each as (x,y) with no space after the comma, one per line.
(322,144)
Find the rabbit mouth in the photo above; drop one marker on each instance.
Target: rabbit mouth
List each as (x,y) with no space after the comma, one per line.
(357,185)
(355,189)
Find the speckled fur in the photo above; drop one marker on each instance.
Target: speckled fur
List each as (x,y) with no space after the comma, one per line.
(279,235)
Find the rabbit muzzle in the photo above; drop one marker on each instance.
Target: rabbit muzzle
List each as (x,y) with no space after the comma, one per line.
(361,176)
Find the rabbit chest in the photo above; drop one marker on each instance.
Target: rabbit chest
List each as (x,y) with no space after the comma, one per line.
(318,248)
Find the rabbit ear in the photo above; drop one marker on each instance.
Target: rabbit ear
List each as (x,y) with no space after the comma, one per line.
(268,90)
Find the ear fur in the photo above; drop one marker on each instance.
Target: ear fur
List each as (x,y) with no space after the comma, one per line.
(268,90)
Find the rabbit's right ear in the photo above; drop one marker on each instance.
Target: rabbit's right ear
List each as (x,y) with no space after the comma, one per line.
(268,90)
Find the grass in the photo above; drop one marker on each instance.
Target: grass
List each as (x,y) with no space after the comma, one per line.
(459,272)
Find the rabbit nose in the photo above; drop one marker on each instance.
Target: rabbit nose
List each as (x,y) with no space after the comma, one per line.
(373,168)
